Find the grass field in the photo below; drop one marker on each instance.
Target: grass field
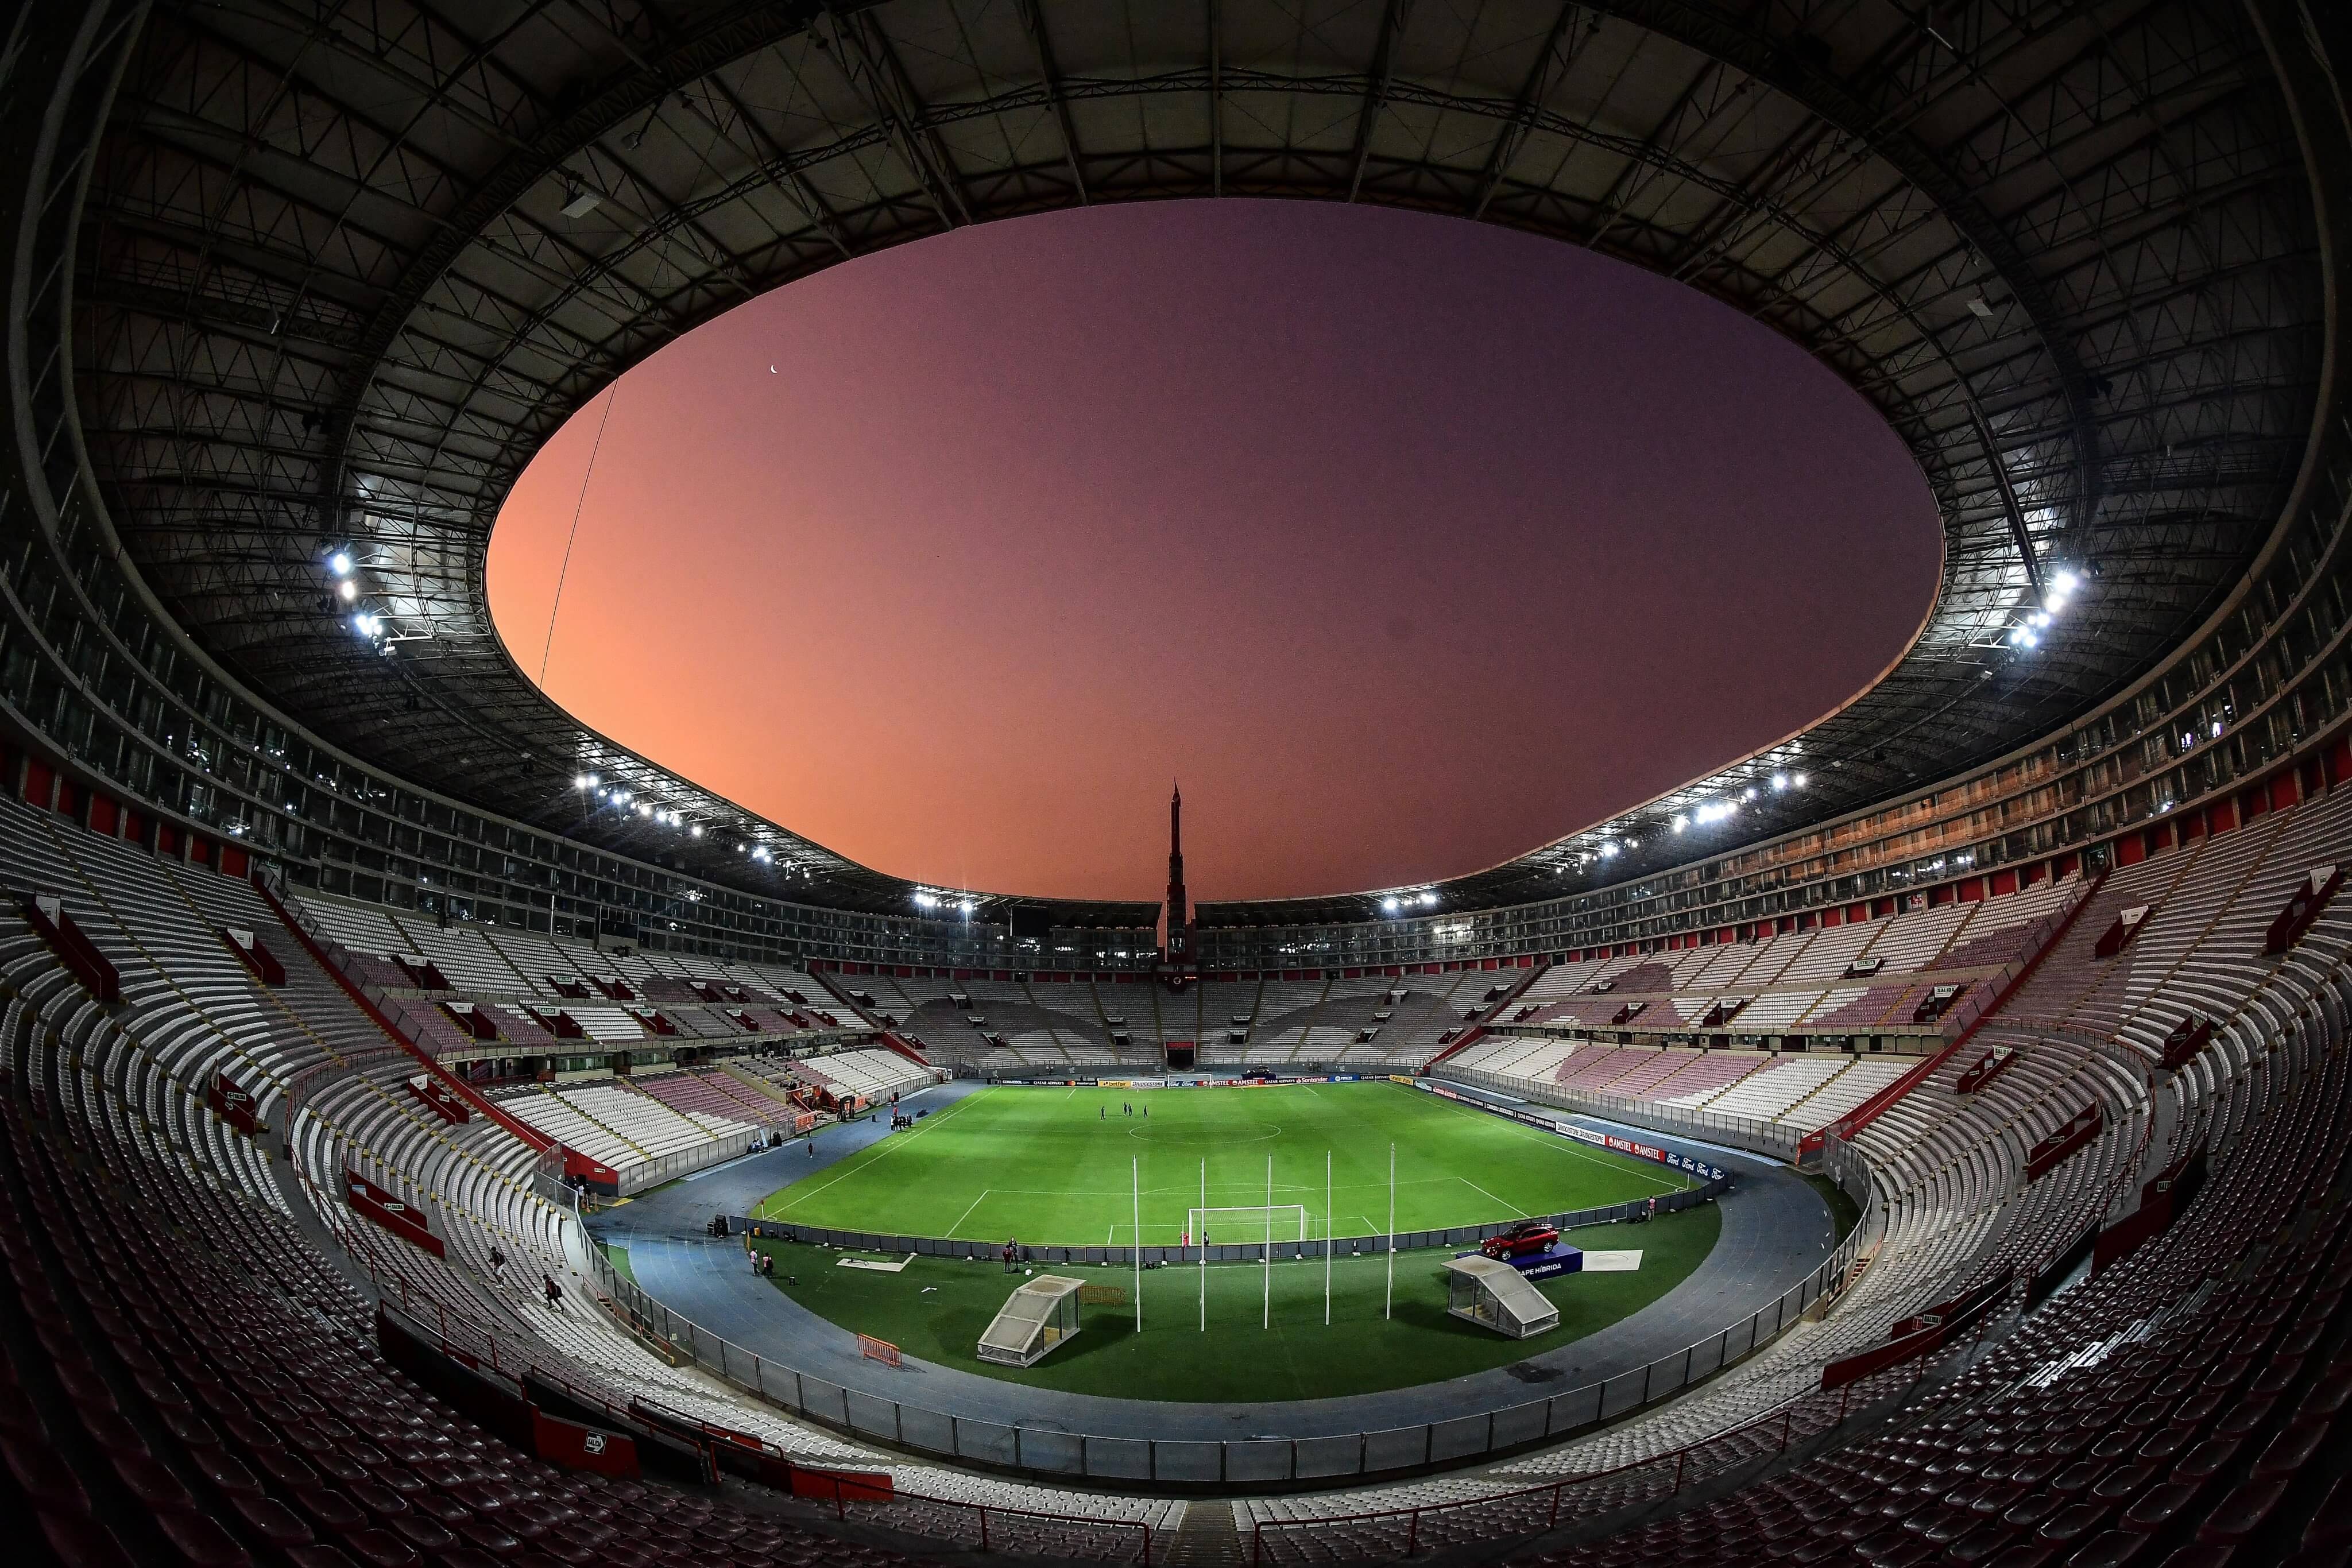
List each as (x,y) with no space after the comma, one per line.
(937,1309)
(1055,1166)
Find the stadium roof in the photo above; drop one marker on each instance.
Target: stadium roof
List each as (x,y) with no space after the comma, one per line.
(342,270)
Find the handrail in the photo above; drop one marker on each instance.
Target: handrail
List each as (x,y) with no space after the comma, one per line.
(493,1339)
(1870,1110)
(1506,1426)
(1783,1415)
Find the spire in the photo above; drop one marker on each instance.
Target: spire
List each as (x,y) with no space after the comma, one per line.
(1178,943)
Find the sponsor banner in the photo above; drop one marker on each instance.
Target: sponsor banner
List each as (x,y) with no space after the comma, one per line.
(402,1219)
(234,1104)
(1345,1078)
(1688,1164)
(579,1448)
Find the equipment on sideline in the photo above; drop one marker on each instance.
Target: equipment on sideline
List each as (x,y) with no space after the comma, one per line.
(1037,1318)
(1493,1296)
(880,1350)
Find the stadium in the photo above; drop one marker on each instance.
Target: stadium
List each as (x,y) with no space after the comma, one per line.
(436,1132)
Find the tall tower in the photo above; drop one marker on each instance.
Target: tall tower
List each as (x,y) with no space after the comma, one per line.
(1179,930)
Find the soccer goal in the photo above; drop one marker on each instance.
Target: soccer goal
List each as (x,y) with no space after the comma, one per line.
(1254,1222)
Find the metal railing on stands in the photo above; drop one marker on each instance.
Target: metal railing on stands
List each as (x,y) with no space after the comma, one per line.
(1534,1509)
(1756,1135)
(460,1331)
(1061,1454)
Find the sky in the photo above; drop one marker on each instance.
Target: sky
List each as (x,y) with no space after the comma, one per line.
(1406,543)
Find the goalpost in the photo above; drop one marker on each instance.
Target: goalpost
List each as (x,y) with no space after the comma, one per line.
(1249,1222)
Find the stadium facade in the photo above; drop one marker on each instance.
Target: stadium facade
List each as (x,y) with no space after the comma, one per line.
(294,295)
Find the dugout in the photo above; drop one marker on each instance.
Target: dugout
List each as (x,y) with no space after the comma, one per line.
(1493,1296)
(1036,1319)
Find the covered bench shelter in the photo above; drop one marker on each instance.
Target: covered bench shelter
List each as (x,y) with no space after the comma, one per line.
(1034,1319)
(1493,1296)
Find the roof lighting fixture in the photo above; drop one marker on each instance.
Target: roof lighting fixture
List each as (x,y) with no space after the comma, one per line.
(348,589)
(366,625)
(1748,794)
(340,563)
(581,781)
(696,830)
(1780,783)
(1681,823)
(1389,904)
(581,202)
(924,900)
(1429,900)
(1796,780)
(965,906)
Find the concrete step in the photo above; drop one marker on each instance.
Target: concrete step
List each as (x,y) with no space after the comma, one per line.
(1206,1538)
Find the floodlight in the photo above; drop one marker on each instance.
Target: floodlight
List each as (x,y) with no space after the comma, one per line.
(1780,781)
(340,563)
(1798,780)
(924,900)
(348,589)
(1390,904)
(1681,823)
(1430,899)
(696,829)
(580,780)
(1748,794)
(966,906)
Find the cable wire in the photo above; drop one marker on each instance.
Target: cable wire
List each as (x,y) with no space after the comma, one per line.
(577,506)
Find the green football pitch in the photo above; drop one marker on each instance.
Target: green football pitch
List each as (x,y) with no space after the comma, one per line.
(1245,1332)
(1072,1168)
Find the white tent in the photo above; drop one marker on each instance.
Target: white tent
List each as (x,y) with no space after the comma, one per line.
(1035,1319)
(1493,1296)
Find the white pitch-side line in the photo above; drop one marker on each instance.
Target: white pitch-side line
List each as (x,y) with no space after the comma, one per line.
(1566,1145)
(854,1164)
(1482,1192)
(967,1213)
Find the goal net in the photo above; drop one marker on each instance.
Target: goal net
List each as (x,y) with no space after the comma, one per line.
(1237,1227)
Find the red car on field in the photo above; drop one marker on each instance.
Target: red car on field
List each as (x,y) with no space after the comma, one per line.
(1528,1235)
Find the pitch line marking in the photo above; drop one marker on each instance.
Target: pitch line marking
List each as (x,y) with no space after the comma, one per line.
(852,1166)
(967,1213)
(1482,1192)
(1565,1145)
